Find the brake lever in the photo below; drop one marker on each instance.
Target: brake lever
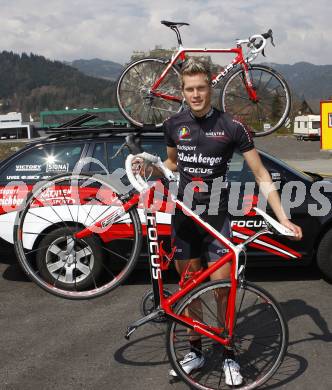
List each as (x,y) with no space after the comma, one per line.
(268,35)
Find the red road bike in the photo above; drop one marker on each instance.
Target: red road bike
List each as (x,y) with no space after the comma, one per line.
(253,326)
(148,90)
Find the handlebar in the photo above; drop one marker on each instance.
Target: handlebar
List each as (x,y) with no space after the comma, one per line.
(256,48)
(136,180)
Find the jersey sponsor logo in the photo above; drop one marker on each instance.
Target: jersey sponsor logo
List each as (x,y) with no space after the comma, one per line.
(198,170)
(184,133)
(200,159)
(215,134)
(186,148)
(188,158)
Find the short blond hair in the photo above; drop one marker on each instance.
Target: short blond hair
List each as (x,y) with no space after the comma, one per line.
(195,66)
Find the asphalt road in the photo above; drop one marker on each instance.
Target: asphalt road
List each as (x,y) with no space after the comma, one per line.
(51,343)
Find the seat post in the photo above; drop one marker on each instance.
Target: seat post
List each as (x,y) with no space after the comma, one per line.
(177,32)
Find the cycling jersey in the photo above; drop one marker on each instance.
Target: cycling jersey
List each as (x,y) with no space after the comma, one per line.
(205,146)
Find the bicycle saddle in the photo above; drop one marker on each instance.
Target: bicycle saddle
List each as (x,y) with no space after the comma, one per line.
(173,24)
(276,226)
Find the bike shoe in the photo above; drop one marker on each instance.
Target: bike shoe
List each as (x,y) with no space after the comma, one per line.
(189,363)
(232,373)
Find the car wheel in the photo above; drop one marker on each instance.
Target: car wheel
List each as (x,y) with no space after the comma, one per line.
(67,262)
(324,255)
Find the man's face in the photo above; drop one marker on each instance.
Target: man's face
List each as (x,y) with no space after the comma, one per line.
(197,93)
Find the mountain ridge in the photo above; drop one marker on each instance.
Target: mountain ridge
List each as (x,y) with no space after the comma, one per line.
(31,83)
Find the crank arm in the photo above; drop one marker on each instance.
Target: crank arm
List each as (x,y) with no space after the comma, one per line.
(142,321)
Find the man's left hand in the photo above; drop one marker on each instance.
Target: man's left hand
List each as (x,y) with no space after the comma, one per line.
(294,228)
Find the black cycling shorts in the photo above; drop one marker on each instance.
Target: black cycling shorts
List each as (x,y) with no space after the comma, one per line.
(192,241)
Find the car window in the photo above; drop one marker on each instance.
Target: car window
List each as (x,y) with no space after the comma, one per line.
(149,145)
(238,169)
(43,162)
(99,153)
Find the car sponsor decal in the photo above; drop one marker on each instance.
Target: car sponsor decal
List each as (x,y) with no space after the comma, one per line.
(28,168)
(57,167)
(11,197)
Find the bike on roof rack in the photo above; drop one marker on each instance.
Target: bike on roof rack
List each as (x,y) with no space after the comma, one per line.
(149,91)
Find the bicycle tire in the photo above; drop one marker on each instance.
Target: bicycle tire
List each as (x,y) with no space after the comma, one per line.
(257,311)
(274,104)
(44,228)
(134,99)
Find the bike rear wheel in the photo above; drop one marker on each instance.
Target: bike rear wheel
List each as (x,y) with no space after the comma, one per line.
(139,105)
(259,342)
(66,266)
(272,108)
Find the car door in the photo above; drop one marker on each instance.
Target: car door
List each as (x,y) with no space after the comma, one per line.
(21,172)
(244,195)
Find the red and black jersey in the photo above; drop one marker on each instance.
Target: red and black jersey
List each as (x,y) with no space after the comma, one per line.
(205,146)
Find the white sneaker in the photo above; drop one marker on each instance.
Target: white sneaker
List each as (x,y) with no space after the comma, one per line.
(189,363)
(232,373)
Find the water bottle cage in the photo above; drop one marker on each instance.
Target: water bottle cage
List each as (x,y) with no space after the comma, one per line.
(165,258)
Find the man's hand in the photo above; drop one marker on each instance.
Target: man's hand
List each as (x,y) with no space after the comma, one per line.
(140,167)
(137,166)
(294,228)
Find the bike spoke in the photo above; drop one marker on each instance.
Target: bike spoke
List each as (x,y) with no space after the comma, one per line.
(238,96)
(139,75)
(267,83)
(116,254)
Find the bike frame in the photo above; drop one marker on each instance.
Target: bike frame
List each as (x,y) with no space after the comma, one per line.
(155,263)
(181,55)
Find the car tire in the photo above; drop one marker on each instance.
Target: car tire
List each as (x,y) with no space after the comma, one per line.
(63,268)
(324,255)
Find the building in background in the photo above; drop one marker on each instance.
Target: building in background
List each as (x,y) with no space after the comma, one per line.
(12,127)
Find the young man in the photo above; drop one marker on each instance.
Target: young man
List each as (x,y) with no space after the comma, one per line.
(200,143)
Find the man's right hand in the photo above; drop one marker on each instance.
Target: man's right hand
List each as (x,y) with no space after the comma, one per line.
(137,166)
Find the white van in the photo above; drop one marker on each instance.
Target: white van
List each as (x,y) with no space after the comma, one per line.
(307,127)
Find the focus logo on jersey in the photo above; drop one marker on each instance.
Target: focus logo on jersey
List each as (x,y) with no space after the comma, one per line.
(198,170)
(184,133)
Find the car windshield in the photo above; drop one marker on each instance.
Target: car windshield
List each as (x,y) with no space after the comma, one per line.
(290,168)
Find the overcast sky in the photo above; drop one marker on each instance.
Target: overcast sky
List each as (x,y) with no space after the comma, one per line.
(112,29)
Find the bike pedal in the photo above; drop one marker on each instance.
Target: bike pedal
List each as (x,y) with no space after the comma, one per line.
(130,331)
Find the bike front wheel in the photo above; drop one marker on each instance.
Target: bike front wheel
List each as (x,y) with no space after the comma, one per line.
(269,111)
(138,103)
(60,263)
(259,342)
